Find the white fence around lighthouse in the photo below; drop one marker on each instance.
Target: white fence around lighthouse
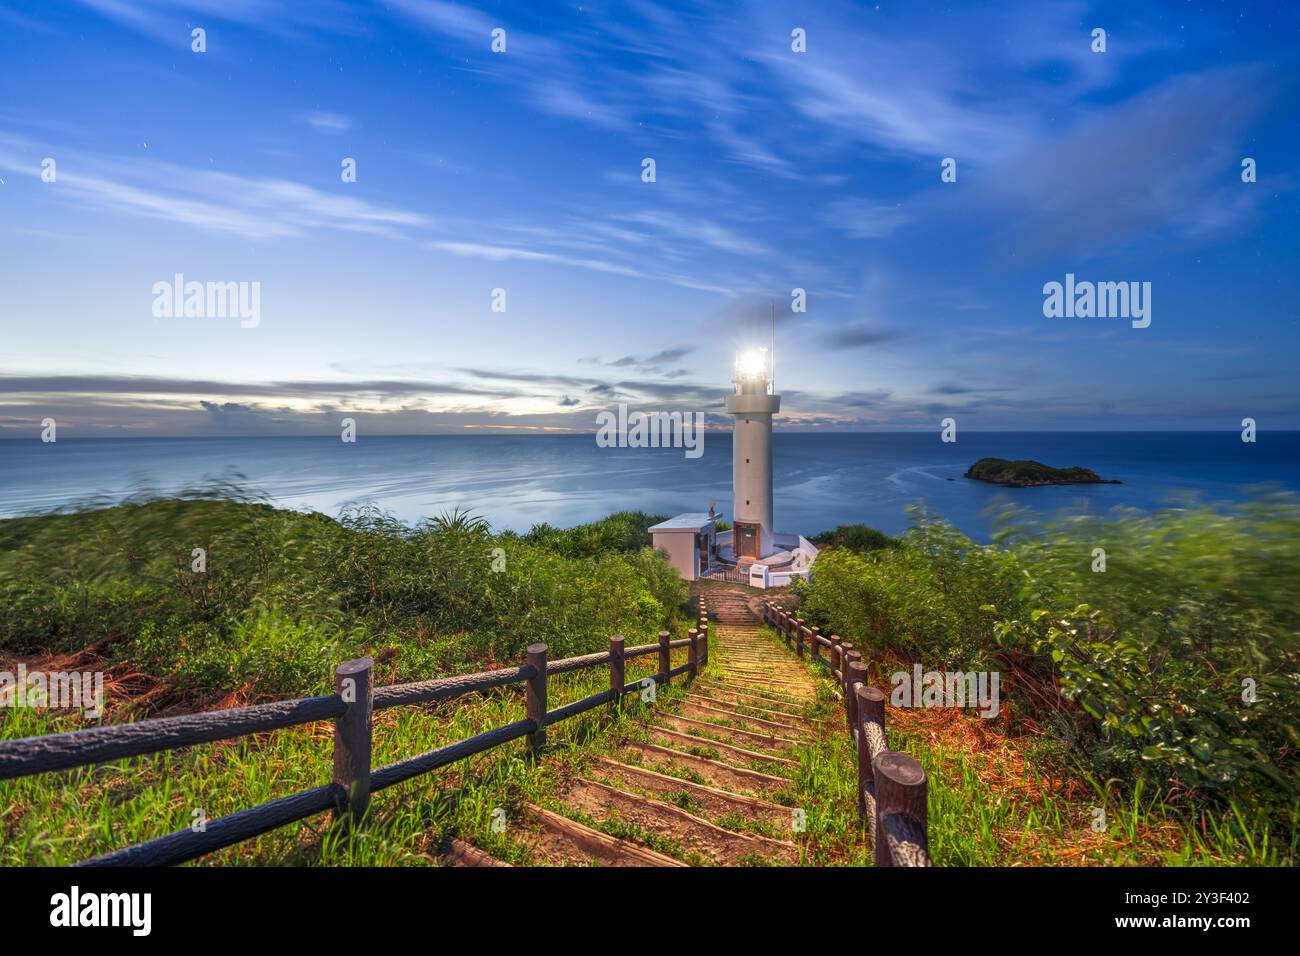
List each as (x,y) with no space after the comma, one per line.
(761,574)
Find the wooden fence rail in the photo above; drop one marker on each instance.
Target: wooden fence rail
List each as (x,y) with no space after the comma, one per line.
(891,785)
(351,707)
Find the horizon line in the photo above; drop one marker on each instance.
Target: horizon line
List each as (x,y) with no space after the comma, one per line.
(583,434)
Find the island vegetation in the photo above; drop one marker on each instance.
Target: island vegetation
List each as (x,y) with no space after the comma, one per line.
(1026,474)
(1162,690)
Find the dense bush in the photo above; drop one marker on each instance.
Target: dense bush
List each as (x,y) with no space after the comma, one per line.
(286,594)
(1148,666)
(919,599)
(856,537)
(621,531)
(1194,614)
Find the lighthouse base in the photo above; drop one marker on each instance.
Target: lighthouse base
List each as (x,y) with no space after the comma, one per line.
(786,556)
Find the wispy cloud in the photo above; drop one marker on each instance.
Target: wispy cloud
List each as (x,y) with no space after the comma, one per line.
(660,361)
(250,207)
(861,335)
(545,70)
(170,21)
(327,122)
(508,253)
(864,219)
(1093,189)
(303,388)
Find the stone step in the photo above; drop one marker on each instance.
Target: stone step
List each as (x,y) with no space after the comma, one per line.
(792,689)
(678,740)
(766,704)
(774,672)
(722,846)
(773,694)
(566,842)
(757,724)
(460,853)
(745,738)
(712,801)
(716,773)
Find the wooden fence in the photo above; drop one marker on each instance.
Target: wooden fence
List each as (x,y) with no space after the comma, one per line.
(350,707)
(891,785)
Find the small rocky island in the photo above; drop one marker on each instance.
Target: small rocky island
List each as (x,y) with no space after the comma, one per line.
(1027,474)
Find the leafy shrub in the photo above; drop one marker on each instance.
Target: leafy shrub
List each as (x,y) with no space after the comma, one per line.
(919,599)
(622,531)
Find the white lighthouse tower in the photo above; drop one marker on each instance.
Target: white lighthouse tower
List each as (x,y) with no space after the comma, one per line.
(752,406)
(752,552)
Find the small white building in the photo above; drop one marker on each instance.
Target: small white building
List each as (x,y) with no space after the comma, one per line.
(689,540)
(752,552)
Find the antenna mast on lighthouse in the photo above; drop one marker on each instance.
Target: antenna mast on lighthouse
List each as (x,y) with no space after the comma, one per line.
(771,352)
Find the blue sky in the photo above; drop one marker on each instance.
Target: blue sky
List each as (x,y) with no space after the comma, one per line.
(522,171)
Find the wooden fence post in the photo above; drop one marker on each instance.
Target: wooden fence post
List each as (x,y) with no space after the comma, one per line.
(871,740)
(837,663)
(900,809)
(704,643)
(693,652)
(353,682)
(798,634)
(535,697)
(813,634)
(857,675)
(617,670)
(846,658)
(665,657)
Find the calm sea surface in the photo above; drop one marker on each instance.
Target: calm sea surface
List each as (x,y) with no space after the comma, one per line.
(515,481)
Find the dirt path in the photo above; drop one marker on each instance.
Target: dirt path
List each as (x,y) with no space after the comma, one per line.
(706,786)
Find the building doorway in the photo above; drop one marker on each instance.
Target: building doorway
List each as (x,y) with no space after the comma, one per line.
(746,543)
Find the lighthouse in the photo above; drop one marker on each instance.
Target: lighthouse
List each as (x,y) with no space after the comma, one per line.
(752,552)
(751,406)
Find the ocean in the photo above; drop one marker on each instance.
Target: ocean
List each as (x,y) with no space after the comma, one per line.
(515,481)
